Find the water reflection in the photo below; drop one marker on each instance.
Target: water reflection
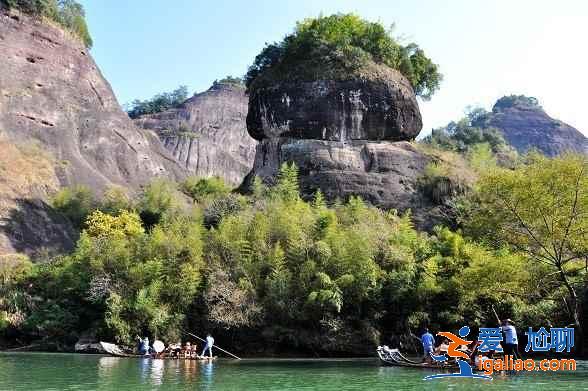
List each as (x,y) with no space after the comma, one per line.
(207,375)
(157,367)
(106,364)
(189,370)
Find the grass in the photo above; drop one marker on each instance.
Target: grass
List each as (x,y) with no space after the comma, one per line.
(25,169)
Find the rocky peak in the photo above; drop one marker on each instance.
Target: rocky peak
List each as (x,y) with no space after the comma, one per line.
(207,133)
(526,125)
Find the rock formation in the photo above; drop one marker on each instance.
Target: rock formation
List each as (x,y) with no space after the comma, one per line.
(52,94)
(526,125)
(347,138)
(207,133)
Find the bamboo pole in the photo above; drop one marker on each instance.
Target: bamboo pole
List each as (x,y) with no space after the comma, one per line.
(203,340)
(495,314)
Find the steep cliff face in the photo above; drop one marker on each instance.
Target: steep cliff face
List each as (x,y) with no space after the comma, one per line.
(53,95)
(52,91)
(207,133)
(347,138)
(526,125)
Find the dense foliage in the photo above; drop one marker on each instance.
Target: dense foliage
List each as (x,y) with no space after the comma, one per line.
(471,137)
(157,104)
(67,13)
(541,210)
(340,45)
(276,272)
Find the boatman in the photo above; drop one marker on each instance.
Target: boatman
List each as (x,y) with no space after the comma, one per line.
(511,342)
(428,342)
(144,349)
(208,346)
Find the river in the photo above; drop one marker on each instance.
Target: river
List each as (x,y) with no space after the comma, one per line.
(48,371)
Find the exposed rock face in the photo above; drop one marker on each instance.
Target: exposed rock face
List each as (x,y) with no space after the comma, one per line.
(27,223)
(359,109)
(381,173)
(207,133)
(527,126)
(346,137)
(52,92)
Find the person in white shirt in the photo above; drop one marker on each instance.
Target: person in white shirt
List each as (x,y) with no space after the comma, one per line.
(511,341)
(208,346)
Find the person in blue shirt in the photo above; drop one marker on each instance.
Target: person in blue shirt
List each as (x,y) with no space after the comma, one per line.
(428,342)
(144,346)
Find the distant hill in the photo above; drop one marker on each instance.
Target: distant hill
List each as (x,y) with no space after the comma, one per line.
(526,125)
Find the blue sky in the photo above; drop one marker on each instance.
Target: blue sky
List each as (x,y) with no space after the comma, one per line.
(485,49)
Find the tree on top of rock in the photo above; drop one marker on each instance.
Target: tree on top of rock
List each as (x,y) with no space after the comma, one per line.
(340,46)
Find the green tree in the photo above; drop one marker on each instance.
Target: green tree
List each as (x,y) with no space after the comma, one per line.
(541,209)
(68,13)
(335,45)
(287,187)
(157,103)
(159,198)
(200,189)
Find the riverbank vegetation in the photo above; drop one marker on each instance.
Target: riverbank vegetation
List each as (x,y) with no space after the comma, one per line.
(274,272)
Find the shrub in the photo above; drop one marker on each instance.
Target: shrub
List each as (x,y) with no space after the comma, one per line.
(157,104)
(200,189)
(68,13)
(75,203)
(235,81)
(338,45)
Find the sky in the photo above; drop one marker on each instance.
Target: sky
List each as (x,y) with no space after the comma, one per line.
(485,49)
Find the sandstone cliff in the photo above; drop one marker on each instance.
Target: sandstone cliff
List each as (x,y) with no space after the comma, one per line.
(53,94)
(347,138)
(526,125)
(207,133)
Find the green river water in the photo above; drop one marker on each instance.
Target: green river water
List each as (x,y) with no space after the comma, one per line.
(46,371)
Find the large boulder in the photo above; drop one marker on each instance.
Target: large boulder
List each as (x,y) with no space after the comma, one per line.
(348,137)
(384,174)
(378,108)
(207,133)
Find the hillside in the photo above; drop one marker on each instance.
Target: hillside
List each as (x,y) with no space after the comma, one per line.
(53,95)
(526,125)
(207,133)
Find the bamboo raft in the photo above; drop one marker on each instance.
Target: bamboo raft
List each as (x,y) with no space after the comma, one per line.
(117,351)
(393,357)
